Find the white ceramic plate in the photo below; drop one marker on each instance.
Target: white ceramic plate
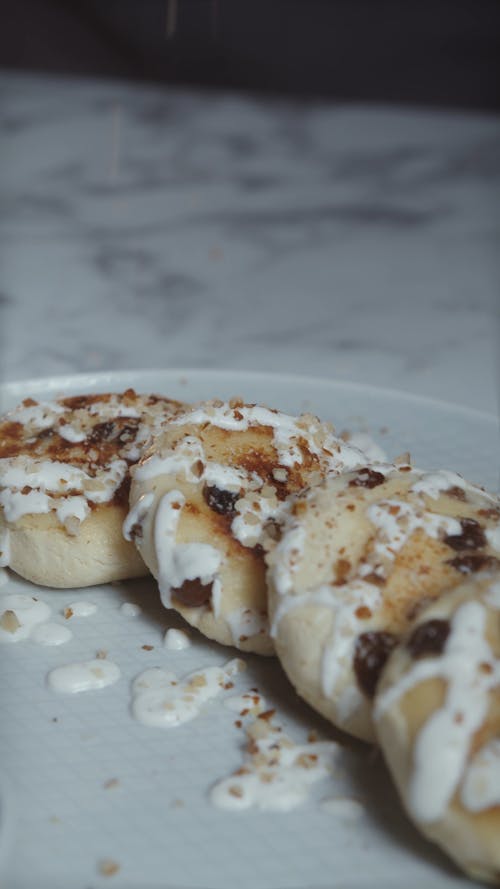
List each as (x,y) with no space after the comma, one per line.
(155,820)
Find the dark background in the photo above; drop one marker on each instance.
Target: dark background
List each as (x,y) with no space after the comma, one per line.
(441,53)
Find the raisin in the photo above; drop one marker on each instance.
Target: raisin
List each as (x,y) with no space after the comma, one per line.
(220,501)
(367,478)
(102,432)
(371,653)
(428,638)
(472,536)
(469,563)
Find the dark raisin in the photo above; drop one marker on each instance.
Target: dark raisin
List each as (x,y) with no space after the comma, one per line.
(428,638)
(469,563)
(371,653)
(193,593)
(136,532)
(472,536)
(102,432)
(220,501)
(367,478)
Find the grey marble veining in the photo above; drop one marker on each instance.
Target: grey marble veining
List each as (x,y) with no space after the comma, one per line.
(147,227)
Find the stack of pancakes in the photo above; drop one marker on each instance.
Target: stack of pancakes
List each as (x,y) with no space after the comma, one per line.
(376,584)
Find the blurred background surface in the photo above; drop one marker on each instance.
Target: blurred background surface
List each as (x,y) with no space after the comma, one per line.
(436,52)
(283,186)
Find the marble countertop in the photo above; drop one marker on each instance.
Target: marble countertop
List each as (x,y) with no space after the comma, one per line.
(150,227)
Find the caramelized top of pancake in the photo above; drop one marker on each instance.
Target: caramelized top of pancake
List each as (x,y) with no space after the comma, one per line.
(93,438)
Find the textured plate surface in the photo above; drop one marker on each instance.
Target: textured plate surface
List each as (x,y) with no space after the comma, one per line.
(89,784)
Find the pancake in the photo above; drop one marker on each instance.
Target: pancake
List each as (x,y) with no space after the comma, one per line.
(206,497)
(64,484)
(359,556)
(437,716)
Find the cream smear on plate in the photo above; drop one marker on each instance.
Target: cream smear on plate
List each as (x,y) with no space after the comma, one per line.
(162,700)
(25,617)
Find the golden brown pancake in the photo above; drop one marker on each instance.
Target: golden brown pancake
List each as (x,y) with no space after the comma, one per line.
(64,484)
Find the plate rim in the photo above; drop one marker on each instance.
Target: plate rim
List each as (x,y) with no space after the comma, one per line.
(9,387)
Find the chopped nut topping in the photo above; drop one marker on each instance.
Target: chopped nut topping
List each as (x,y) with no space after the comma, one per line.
(363,612)
(198,681)
(108,867)
(267,714)
(110,783)
(403,460)
(307,760)
(197,469)
(9,621)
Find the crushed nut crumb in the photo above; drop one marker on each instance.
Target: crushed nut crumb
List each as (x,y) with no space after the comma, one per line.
(110,783)
(108,867)
(9,621)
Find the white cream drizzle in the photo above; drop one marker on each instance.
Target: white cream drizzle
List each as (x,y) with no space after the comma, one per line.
(108,410)
(433,484)
(246,622)
(183,459)
(217,597)
(69,433)
(178,562)
(40,415)
(336,662)
(442,745)
(256,505)
(365,443)
(46,478)
(395,521)
(176,640)
(137,514)
(85,676)
(277,775)
(253,513)
(288,558)
(27,612)
(338,654)
(162,700)
(51,634)
(25,617)
(130,609)
(492,595)
(79,608)
(288,431)
(53,476)
(481,785)
(493,537)
(62,488)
